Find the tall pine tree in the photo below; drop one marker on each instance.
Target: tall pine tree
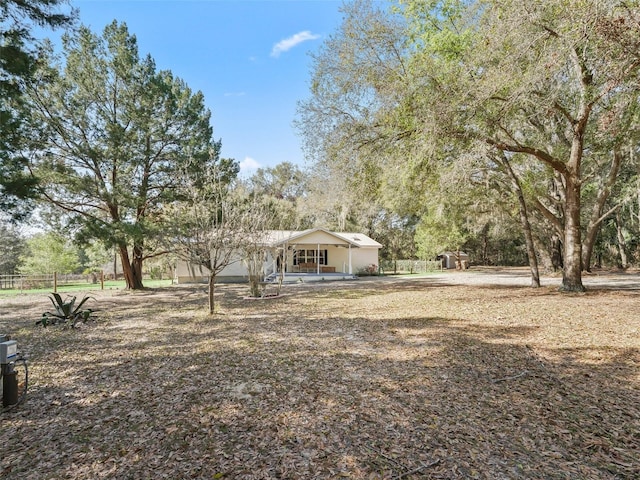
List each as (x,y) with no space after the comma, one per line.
(115,132)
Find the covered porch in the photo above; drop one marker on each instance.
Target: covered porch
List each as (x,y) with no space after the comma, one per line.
(316,255)
(310,277)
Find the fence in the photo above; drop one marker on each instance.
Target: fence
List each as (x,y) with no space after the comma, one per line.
(412,266)
(51,281)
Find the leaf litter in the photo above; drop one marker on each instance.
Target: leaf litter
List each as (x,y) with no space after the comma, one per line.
(364,380)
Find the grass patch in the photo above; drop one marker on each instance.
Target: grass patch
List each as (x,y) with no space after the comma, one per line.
(85,286)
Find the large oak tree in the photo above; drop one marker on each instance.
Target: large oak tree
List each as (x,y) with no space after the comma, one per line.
(553,80)
(548,87)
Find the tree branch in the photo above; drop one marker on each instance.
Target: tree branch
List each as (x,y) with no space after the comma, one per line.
(541,155)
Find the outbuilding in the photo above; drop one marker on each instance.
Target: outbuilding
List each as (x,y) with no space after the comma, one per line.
(450,260)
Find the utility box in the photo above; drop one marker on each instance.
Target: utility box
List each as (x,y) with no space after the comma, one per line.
(8,352)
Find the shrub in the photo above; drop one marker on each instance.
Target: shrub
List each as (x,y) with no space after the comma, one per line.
(369,270)
(66,311)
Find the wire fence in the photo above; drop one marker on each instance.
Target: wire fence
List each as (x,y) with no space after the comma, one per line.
(51,281)
(411,266)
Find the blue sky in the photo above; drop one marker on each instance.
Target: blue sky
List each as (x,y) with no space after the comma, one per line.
(248,57)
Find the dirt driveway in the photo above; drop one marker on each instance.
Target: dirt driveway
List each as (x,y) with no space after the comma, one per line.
(521,277)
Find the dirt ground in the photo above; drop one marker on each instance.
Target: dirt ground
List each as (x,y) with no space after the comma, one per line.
(459,375)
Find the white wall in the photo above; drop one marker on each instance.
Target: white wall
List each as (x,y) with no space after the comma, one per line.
(186,272)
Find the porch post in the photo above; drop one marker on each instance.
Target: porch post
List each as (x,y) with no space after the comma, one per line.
(318,260)
(350,268)
(283,266)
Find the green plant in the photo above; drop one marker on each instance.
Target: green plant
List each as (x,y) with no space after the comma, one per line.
(66,311)
(371,269)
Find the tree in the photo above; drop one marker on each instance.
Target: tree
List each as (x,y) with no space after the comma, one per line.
(48,253)
(94,257)
(286,187)
(204,226)
(365,181)
(115,135)
(13,246)
(257,216)
(285,181)
(18,60)
(553,81)
(523,211)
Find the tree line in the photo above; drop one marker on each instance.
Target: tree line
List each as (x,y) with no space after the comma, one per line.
(505,130)
(465,114)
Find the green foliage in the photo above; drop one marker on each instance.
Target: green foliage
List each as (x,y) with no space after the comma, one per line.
(285,181)
(48,253)
(66,311)
(439,27)
(94,257)
(19,59)
(422,99)
(118,135)
(438,233)
(13,246)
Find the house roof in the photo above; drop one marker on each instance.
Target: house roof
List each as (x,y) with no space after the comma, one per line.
(359,239)
(279,237)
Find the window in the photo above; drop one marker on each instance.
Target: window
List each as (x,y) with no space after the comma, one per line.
(309,256)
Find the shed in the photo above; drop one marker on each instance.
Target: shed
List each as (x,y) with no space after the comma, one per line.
(449,259)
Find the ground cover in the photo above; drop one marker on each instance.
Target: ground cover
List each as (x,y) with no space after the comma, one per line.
(380,378)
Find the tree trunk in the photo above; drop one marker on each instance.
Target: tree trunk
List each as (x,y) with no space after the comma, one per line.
(531,251)
(485,245)
(136,266)
(595,221)
(526,226)
(133,282)
(556,253)
(588,244)
(115,265)
(254,286)
(622,244)
(212,283)
(544,257)
(572,272)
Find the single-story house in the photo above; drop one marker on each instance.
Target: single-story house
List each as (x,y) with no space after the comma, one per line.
(308,255)
(449,259)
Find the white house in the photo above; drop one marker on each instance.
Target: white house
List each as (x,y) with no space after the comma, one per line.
(308,255)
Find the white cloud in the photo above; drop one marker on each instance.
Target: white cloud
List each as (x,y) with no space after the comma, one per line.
(248,165)
(289,43)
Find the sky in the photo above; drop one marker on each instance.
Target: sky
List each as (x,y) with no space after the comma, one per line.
(250,59)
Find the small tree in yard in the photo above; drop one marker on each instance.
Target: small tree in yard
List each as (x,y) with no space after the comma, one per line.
(258,217)
(205,226)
